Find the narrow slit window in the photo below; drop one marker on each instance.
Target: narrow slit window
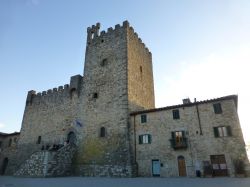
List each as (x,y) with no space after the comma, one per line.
(103,132)
(95,95)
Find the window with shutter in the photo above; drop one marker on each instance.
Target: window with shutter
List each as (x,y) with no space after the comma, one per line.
(143,118)
(222,131)
(145,139)
(140,139)
(229,131)
(176,114)
(149,138)
(216,132)
(217,108)
(179,140)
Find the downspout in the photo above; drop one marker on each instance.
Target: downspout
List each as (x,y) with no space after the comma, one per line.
(199,120)
(134,141)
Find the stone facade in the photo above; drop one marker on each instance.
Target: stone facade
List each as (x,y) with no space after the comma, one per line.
(197,122)
(96,113)
(8,149)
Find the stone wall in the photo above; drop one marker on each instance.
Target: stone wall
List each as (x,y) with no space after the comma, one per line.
(50,115)
(104,75)
(140,74)
(200,146)
(48,163)
(8,151)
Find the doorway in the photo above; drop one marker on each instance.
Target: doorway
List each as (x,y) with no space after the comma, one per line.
(156,168)
(71,138)
(182,166)
(219,165)
(4,165)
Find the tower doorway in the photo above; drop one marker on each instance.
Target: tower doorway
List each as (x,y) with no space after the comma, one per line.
(4,165)
(71,138)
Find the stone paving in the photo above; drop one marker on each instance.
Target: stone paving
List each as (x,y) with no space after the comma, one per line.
(6,181)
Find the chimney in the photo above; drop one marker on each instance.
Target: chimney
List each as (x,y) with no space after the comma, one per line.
(186,101)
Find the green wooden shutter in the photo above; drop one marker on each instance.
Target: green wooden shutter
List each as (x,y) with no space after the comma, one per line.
(216,132)
(183,134)
(173,135)
(140,139)
(229,131)
(149,138)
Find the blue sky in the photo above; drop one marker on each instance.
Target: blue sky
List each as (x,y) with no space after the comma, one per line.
(200,48)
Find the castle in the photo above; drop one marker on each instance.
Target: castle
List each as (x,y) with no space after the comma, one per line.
(105,123)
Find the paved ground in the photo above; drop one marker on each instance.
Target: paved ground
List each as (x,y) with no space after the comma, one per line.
(123,182)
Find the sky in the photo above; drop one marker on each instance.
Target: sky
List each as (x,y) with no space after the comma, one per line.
(200,48)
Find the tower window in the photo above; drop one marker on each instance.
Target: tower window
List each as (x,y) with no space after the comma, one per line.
(39,139)
(104,62)
(103,132)
(141,69)
(95,95)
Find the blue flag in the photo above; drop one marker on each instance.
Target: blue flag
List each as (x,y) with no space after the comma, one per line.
(78,123)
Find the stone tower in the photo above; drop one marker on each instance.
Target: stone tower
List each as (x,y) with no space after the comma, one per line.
(94,108)
(118,79)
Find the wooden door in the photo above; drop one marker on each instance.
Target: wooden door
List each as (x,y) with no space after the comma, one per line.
(156,166)
(219,165)
(182,166)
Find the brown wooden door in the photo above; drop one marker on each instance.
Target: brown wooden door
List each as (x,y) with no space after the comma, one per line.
(182,166)
(219,165)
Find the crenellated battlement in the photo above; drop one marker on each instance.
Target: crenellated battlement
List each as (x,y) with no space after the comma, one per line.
(135,35)
(51,95)
(93,34)
(93,31)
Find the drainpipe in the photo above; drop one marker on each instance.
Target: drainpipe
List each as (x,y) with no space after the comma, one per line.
(134,140)
(198,116)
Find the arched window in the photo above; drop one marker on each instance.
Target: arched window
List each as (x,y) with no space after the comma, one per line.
(103,132)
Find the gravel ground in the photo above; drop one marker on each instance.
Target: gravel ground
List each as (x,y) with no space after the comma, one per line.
(7,181)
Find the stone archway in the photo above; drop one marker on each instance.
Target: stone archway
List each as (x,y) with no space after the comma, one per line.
(71,138)
(4,165)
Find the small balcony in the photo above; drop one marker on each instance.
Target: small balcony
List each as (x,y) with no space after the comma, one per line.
(180,144)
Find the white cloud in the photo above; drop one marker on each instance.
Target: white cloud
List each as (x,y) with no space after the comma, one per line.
(2,125)
(219,74)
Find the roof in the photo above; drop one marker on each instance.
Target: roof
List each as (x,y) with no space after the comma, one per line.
(9,134)
(229,97)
